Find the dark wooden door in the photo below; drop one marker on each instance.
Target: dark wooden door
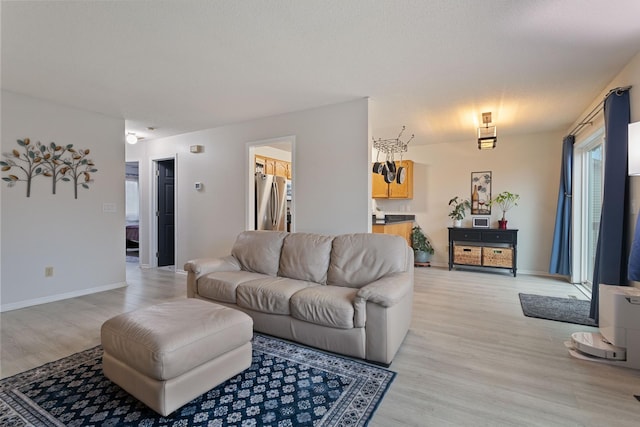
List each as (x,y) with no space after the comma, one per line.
(166,213)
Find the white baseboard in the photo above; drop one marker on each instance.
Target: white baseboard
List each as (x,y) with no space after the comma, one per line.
(59,297)
(536,273)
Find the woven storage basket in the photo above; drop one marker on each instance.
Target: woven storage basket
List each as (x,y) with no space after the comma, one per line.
(497,257)
(470,255)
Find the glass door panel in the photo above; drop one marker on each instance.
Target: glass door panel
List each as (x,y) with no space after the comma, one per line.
(593,206)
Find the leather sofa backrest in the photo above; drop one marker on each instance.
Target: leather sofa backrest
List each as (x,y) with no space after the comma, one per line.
(306,256)
(359,259)
(259,251)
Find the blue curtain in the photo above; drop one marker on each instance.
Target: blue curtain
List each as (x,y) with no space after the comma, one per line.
(611,261)
(561,250)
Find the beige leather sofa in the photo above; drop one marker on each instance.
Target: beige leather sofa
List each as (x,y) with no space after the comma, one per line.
(350,294)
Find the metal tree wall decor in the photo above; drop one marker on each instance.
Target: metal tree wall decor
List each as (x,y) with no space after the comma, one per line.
(60,163)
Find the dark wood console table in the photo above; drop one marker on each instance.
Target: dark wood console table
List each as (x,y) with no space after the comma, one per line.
(483,247)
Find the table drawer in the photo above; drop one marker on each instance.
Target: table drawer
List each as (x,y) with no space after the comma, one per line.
(497,237)
(467,235)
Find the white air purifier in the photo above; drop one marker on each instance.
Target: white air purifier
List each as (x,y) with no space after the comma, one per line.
(618,342)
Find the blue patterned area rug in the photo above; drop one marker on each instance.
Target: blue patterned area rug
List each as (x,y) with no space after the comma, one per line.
(286,385)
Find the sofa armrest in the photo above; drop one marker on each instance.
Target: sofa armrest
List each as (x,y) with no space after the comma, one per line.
(199,267)
(202,266)
(388,290)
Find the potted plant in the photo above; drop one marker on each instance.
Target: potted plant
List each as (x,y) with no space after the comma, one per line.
(421,245)
(505,201)
(458,212)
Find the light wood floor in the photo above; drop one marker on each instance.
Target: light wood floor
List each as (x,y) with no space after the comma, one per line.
(471,358)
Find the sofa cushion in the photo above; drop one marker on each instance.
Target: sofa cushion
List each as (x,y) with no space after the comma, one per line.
(305,256)
(359,259)
(259,251)
(269,295)
(331,306)
(221,285)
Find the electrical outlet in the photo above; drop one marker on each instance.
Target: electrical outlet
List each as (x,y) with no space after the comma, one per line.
(48,271)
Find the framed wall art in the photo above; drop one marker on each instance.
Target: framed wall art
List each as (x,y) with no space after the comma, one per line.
(480,193)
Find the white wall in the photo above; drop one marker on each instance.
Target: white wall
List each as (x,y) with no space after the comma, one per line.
(83,244)
(528,165)
(331,164)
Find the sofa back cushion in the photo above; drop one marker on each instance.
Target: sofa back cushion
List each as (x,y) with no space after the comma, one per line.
(259,251)
(359,259)
(305,256)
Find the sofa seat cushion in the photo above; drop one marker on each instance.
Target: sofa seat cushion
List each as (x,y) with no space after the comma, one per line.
(221,286)
(331,306)
(269,295)
(305,256)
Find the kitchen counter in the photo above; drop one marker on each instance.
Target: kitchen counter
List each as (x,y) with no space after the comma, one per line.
(394,219)
(399,225)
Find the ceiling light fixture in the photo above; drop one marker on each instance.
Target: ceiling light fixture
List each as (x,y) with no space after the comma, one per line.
(131,138)
(487,135)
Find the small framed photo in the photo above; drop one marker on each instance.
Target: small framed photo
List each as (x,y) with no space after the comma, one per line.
(480,193)
(481,221)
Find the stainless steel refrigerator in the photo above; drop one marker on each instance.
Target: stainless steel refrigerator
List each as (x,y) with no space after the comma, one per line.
(271,202)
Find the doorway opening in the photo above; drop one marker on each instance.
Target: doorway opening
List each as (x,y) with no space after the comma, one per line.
(132,212)
(271,189)
(165,212)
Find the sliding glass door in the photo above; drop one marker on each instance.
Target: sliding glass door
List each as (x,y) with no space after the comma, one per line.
(589,161)
(593,202)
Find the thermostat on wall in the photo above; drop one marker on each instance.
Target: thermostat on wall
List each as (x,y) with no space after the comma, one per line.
(198,186)
(196,148)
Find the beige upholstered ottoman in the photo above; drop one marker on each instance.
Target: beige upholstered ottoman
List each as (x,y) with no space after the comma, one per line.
(168,354)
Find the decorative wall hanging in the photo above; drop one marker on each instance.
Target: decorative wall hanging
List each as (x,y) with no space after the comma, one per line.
(60,163)
(480,193)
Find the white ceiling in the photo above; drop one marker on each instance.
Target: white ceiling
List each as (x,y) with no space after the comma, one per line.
(432,65)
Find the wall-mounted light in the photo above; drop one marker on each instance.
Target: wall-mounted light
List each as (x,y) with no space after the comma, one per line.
(131,138)
(487,135)
(634,149)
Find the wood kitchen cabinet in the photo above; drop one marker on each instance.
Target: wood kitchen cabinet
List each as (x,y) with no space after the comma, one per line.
(381,190)
(269,166)
(272,166)
(402,229)
(281,167)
